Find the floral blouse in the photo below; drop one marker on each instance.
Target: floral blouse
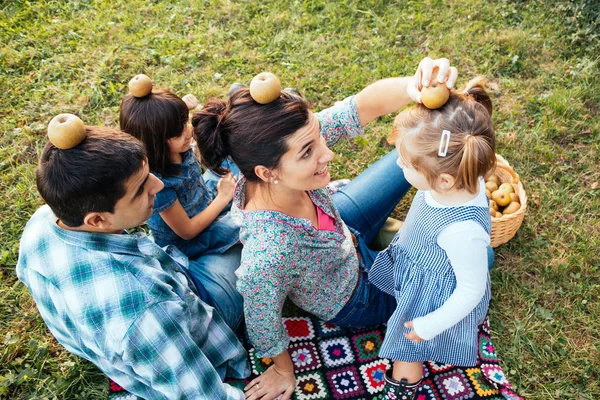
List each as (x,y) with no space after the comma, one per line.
(284,256)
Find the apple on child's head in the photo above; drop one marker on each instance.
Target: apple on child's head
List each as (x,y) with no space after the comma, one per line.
(265,87)
(66,131)
(435,95)
(140,85)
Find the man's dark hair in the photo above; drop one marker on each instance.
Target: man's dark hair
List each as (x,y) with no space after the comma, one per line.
(89,177)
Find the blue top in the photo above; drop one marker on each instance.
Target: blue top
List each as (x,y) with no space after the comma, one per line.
(128,306)
(417,271)
(194,194)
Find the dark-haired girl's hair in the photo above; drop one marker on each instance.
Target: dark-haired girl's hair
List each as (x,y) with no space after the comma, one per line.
(154,119)
(250,133)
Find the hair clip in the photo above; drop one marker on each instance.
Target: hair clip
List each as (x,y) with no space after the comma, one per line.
(446,136)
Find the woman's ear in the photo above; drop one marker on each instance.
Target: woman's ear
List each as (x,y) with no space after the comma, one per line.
(446,182)
(264,174)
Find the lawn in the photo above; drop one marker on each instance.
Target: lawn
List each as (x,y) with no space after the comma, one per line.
(542,59)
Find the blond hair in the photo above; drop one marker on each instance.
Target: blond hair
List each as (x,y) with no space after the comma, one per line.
(471,148)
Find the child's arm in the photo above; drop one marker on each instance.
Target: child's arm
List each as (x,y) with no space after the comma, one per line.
(466,246)
(188,228)
(390,95)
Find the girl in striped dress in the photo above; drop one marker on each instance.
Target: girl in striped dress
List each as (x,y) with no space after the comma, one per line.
(437,264)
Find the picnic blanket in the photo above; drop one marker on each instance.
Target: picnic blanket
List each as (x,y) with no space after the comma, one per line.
(343,364)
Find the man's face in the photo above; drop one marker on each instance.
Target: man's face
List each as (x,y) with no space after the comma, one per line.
(135,207)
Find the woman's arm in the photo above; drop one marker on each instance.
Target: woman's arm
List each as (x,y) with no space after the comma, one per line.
(392,94)
(188,228)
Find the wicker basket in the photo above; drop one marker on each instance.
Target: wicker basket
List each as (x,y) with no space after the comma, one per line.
(505,227)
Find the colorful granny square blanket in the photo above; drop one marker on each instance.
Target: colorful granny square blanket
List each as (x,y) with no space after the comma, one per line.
(342,364)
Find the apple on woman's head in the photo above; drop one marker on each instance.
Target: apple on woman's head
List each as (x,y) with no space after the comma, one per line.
(265,87)
(140,85)
(66,131)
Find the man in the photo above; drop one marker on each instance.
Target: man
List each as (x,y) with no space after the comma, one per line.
(117,299)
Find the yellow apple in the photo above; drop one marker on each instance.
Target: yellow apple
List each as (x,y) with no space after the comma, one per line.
(495,179)
(488,193)
(511,208)
(498,214)
(514,198)
(507,187)
(491,186)
(265,87)
(66,131)
(501,198)
(492,212)
(493,205)
(140,85)
(190,101)
(435,95)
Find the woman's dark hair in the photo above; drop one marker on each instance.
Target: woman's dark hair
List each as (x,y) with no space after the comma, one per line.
(89,177)
(154,119)
(251,133)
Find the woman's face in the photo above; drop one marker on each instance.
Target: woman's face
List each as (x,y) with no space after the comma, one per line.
(304,166)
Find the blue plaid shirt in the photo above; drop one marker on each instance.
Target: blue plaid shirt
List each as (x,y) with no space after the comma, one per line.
(125,304)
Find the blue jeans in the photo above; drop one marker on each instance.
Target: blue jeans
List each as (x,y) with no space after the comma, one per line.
(364,205)
(214,276)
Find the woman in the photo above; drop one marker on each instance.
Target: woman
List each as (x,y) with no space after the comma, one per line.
(300,242)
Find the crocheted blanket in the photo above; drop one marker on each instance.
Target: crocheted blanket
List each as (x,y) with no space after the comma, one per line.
(342,364)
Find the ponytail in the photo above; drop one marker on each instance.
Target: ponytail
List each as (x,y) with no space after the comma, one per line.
(477,158)
(210,135)
(475,89)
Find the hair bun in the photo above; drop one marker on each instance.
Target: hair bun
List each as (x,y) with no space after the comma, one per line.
(265,88)
(140,85)
(66,131)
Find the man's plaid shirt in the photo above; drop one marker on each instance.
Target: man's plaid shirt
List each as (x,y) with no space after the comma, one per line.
(126,305)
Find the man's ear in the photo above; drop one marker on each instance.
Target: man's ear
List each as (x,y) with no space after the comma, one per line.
(97,220)
(264,174)
(446,182)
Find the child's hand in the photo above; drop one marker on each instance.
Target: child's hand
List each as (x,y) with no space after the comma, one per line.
(425,74)
(412,335)
(226,187)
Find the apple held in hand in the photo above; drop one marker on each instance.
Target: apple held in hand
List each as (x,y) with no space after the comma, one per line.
(265,87)
(435,95)
(140,85)
(66,131)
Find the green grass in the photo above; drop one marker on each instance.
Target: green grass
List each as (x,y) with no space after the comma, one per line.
(543,61)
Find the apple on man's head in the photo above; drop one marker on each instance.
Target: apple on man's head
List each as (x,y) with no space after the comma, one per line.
(66,131)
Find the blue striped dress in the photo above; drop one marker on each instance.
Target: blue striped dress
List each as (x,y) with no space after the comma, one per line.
(417,271)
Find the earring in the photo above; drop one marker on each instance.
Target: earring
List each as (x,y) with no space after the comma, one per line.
(276,181)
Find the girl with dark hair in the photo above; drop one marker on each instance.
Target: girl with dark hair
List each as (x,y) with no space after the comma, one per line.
(192,212)
(299,241)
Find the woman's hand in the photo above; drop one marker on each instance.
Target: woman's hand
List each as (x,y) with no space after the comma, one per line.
(429,70)
(271,384)
(412,335)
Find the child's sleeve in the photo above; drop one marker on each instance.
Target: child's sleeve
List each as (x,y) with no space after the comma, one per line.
(339,121)
(164,200)
(466,244)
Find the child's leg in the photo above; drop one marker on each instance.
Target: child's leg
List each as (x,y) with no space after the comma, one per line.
(366,202)
(411,371)
(402,381)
